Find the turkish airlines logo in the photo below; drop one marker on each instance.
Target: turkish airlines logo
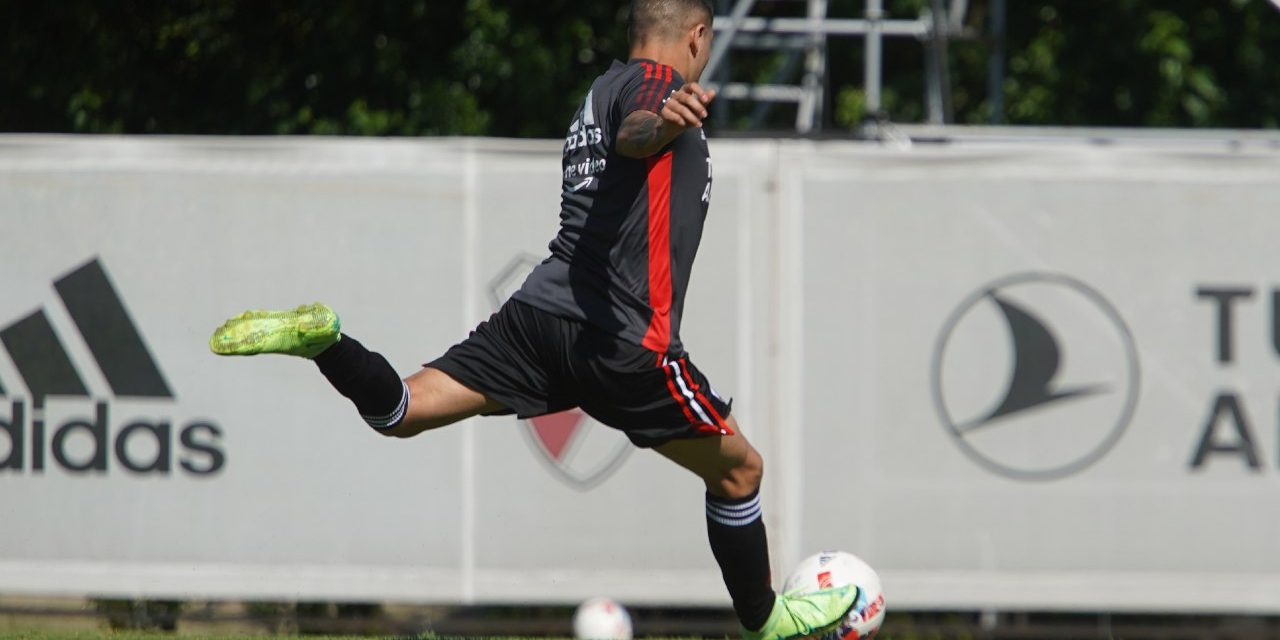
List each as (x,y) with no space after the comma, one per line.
(1035,376)
(575,447)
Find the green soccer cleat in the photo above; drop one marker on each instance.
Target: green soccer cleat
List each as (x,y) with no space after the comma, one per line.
(303,332)
(801,615)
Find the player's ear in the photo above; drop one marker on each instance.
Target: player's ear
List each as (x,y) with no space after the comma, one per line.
(697,39)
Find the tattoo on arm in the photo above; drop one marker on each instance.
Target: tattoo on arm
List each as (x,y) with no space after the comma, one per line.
(642,135)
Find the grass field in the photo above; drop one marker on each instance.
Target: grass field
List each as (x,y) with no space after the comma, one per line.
(136,635)
(70,619)
(141,635)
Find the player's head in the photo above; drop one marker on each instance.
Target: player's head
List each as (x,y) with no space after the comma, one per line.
(685,24)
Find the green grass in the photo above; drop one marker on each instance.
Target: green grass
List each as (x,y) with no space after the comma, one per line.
(138,635)
(148,635)
(145,635)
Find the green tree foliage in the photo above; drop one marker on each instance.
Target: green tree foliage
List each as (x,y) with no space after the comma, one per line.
(1169,63)
(1166,63)
(429,67)
(383,67)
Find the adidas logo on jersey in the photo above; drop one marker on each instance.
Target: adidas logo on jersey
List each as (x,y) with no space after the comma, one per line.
(62,418)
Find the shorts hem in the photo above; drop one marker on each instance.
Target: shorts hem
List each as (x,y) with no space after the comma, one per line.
(514,404)
(685,431)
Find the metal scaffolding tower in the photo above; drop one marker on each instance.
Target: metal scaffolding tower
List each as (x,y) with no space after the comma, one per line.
(804,41)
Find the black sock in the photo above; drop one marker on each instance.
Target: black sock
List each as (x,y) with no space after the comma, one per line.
(736,531)
(367,379)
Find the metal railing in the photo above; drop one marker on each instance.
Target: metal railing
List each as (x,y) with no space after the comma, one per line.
(804,40)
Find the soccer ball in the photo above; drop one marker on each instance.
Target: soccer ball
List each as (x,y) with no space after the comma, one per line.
(836,569)
(601,619)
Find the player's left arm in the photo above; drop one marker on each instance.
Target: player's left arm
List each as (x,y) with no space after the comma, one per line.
(644,133)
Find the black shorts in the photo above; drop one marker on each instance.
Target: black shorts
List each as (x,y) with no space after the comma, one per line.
(537,363)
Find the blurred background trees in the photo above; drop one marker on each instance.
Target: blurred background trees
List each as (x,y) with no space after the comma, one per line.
(487,67)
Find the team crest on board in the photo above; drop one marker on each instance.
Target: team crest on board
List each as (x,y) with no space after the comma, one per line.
(579,450)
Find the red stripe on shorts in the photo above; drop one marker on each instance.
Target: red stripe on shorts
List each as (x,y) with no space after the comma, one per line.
(680,400)
(697,392)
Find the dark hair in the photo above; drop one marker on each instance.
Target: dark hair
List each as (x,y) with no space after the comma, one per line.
(666,18)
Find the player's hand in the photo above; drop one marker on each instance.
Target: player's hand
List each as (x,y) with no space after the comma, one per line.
(687,107)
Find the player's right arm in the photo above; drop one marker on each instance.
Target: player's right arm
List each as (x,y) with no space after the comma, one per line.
(644,133)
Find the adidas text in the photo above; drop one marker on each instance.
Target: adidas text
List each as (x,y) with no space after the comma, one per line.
(30,436)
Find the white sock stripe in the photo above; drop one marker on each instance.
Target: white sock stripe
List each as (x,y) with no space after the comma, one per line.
(734,522)
(384,422)
(734,515)
(684,390)
(404,405)
(723,513)
(722,505)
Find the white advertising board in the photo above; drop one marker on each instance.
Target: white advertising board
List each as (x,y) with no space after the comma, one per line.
(1028,376)
(1047,378)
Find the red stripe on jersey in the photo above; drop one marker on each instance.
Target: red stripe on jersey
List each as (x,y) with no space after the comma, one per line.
(653,80)
(641,102)
(654,90)
(658,336)
(657,79)
(662,89)
(697,392)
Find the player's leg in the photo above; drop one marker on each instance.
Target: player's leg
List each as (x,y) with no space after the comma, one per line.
(436,400)
(729,466)
(668,404)
(731,469)
(398,408)
(393,407)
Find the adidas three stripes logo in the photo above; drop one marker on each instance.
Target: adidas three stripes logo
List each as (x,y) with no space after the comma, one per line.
(102,320)
(87,439)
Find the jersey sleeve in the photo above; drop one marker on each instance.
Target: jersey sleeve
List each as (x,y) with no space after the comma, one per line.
(648,89)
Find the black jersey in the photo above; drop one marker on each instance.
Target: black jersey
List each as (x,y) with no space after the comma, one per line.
(629,228)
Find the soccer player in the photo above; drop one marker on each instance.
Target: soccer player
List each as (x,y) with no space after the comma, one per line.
(597,324)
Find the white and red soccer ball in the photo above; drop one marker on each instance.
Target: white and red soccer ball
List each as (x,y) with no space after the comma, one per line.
(601,619)
(837,569)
